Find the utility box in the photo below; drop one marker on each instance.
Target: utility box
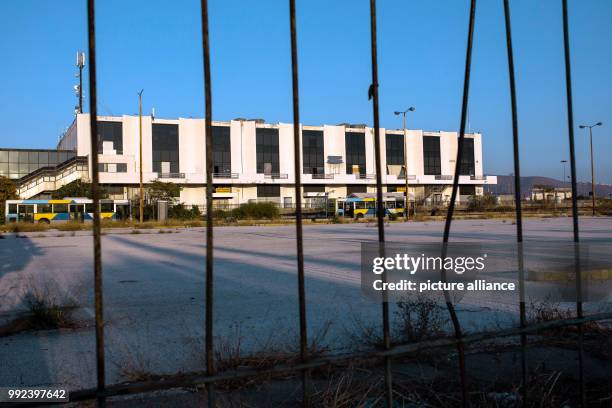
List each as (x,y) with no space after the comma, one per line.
(162,210)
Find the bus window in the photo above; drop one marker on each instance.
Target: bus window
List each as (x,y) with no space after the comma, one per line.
(359,205)
(43,208)
(390,204)
(107,207)
(370,204)
(60,208)
(12,208)
(89,208)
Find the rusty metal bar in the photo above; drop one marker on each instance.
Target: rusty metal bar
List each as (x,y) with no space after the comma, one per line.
(95,193)
(210,364)
(298,200)
(190,380)
(517,200)
(451,206)
(570,129)
(380,209)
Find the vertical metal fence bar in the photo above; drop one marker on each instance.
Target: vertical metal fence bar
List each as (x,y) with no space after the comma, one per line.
(298,199)
(570,129)
(380,210)
(517,199)
(210,364)
(95,192)
(451,206)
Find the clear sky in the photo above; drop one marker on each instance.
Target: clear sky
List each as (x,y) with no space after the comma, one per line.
(156,45)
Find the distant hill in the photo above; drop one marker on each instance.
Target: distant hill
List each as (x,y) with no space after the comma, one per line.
(505,185)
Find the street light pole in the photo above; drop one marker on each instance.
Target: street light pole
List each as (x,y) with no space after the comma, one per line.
(563,162)
(590,127)
(406,210)
(140,160)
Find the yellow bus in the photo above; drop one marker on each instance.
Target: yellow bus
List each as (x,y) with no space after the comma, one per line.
(67,209)
(363,205)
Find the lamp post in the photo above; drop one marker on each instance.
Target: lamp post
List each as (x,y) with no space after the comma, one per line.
(397,113)
(590,127)
(140,160)
(563,163)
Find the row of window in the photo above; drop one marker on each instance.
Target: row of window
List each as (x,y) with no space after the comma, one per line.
(112,167)
(165,146)
(19,163)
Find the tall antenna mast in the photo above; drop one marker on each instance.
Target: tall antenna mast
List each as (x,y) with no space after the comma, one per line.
(80,63)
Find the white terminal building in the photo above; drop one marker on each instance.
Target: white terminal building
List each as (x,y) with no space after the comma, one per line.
(254,161)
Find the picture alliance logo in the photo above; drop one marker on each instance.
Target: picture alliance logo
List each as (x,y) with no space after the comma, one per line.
(414,264)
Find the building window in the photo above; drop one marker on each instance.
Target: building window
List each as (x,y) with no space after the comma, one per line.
(112,189)
(222,153)
(360,188)
(110,132)
(268,191)
(468,190)
(112,167)
(267,151)
(467,158)
(165,148)
(355,151)
(314,188)
(15,164)
(312,149)
(395,149)
(431,155)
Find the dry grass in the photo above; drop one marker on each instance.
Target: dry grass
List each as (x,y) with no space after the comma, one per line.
(46,307)
(17,227)
(229,355)
(420,317)
(71,226)
(417,318)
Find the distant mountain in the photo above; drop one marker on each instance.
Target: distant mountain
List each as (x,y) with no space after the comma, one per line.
(505,185)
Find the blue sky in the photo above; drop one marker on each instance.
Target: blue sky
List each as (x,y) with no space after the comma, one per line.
(156,45)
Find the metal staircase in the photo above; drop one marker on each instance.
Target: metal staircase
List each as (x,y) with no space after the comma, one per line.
(48,179)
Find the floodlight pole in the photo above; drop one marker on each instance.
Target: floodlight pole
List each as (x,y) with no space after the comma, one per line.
(592,169)
(590,127)
(406,209)
(140,161)
(563,163)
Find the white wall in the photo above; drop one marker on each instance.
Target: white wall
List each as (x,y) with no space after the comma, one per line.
(243,154)
(192,146)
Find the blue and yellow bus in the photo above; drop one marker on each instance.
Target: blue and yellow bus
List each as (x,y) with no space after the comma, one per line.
(363,205)
(67,209)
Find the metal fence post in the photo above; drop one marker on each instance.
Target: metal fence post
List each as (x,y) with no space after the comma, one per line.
(576,234)
(210,364)
(298,199)
(451,205)
(95,192)
(380,210)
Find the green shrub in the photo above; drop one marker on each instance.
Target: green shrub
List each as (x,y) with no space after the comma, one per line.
(180,212)
(148,211)
(481,203)
(263,210)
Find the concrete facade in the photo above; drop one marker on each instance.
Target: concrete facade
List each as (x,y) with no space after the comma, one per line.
(240,185)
